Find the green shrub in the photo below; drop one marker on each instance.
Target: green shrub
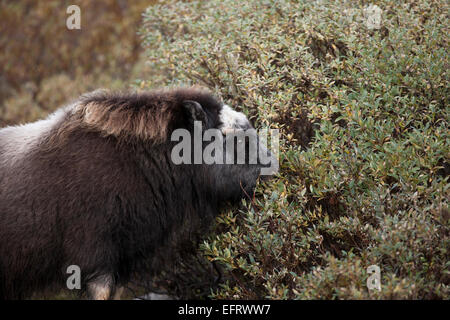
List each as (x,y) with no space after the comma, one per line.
(364,149)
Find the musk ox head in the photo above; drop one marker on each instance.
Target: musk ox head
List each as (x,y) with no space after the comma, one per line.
(217,141)
(114,180)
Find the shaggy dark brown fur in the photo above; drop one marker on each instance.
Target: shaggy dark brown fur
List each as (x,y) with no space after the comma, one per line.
(98,189)
(148,116)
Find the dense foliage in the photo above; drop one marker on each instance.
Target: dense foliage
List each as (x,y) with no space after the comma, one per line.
(363,112)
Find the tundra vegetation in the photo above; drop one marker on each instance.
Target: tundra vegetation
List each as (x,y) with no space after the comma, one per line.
(363,114)
(364,158)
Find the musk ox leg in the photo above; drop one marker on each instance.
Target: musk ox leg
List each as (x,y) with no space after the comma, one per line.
(118,293)
(101,288)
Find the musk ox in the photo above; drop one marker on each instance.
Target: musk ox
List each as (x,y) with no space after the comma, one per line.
(94,186)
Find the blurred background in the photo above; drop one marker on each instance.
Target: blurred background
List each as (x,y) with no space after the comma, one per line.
(44,65)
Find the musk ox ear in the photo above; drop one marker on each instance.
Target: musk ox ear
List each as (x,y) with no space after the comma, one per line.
(195,110)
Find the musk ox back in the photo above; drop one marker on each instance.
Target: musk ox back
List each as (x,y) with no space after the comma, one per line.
(94,185)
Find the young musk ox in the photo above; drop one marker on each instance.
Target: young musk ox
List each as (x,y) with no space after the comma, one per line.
(93,185)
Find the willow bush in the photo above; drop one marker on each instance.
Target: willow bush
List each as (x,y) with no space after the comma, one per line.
(362,107)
